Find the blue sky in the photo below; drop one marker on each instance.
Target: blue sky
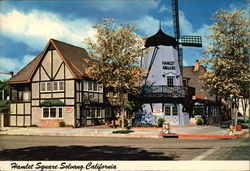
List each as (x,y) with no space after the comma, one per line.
(26,26)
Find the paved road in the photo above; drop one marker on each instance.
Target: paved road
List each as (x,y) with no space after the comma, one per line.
(98,148)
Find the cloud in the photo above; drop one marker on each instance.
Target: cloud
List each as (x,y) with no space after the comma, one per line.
(163,8)
(13,64)
(35,28)
(150,25)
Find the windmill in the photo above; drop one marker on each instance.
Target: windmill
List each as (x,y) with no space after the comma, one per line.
(162,93)
(192,41)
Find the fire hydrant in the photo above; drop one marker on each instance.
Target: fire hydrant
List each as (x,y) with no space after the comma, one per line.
(166,128)
(231,130)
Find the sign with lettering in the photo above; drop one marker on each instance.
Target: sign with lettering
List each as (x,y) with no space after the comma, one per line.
(68,109)
(168,65)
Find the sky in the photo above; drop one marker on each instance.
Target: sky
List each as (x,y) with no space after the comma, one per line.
(27,26)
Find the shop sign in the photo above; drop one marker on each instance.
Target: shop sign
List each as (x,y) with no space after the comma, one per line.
(68,109)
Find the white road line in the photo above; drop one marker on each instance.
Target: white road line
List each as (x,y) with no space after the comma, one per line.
(208,152)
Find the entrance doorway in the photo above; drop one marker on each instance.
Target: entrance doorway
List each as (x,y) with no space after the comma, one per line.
(171,114)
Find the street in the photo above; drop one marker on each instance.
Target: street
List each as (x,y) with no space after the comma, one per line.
(99,148)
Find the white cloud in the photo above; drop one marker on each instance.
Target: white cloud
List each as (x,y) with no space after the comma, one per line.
(150,25)
(13,64)
(163,8)
(35,28)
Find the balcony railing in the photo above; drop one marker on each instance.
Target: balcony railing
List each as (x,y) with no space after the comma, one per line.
(166,91)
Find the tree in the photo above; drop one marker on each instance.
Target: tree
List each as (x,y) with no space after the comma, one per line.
(117,51)
(227,56)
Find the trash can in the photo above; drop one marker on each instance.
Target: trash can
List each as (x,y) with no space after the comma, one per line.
(238,127)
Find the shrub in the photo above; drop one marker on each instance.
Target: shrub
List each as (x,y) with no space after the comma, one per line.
(224,126)
(245,127)
(62,124)
(199,121)
(204,119)
(122,131)
(160,122)
(33,125)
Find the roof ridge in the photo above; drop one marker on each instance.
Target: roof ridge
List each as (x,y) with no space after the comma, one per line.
(66,43)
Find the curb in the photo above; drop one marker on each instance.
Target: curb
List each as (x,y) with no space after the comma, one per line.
(85,135)
(190,136)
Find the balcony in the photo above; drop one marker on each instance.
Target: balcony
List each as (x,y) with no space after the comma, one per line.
(164,94)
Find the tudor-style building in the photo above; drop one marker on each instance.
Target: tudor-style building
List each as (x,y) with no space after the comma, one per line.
(54,87)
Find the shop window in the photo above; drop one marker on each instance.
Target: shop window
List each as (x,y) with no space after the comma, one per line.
(98,113)
(45,112)
(52,113)
(170,81)
(175,110)
(60,113)
(167,110)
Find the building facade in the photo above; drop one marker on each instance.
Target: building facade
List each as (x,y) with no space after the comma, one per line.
(54,87)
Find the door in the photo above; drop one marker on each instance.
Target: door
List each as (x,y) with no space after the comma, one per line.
(171,114)
(6,119)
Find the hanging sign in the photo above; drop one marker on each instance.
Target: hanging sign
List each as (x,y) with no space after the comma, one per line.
(68,109)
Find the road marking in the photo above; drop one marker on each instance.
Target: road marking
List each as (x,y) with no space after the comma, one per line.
(208,152)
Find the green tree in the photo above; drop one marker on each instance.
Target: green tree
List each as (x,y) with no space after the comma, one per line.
(227,56)
(117,51)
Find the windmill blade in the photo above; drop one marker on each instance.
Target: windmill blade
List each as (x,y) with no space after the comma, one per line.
(193,41)
(176,19)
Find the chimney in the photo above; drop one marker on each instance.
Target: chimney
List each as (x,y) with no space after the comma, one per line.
(196,65)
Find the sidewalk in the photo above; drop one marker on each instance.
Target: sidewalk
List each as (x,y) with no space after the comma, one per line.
(178,132)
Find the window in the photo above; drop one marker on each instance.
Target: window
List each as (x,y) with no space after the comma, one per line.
(90,88)
(92,112)
(61,85)
(167,110)
(95,86)
(49,86)
(60,113)
(100,88)
(170,81)
(52,113)
(55,86)
(184,82)
(175,111)
(20,95)
(45,112)
(98,113)
(43,87)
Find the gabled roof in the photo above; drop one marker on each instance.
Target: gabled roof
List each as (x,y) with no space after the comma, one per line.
(75,58)
(160,38)
(23,75)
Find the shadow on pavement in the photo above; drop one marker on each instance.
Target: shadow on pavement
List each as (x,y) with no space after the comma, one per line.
(83,153)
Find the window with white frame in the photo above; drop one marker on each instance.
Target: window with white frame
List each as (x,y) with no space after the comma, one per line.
(52,86)
(92,86)
(52,113)
(170,81)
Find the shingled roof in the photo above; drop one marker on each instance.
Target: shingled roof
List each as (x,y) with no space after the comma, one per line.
(160,38)
(75,58)
(188,72)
